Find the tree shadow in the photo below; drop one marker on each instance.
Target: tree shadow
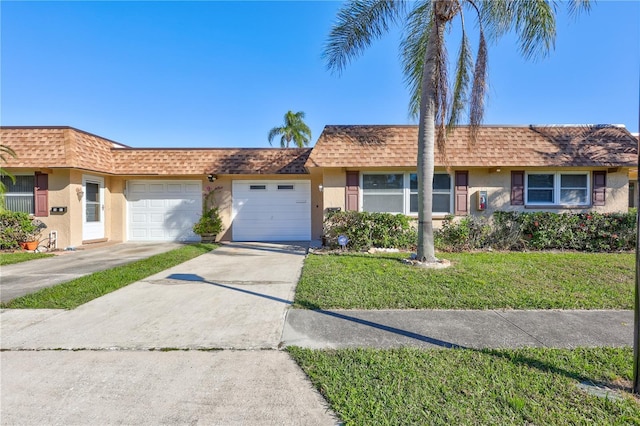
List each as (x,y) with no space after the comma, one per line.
(511,356)
(589,145)
(394,330)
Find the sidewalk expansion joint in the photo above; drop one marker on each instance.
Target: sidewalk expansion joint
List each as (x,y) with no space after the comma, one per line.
(154,349)
(519,328)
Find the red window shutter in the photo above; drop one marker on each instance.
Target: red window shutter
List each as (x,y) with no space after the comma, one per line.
(599,187)
(41,194)
(352,191)
(517,188)
(461,193)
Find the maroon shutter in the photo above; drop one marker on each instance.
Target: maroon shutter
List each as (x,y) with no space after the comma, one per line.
(461,193)
(517,188)
(352,191)
(41,194)
(599,187)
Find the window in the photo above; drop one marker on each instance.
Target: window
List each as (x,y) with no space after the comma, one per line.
(257,187)
(19,196)
(398,193)
(285,187)
(383,193)
(570,189)
(92,202)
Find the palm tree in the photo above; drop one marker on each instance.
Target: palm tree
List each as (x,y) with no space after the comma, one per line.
(4,152)
(294,129)
(424,57)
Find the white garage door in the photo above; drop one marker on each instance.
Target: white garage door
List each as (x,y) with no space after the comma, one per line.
(163,210)
(271,210)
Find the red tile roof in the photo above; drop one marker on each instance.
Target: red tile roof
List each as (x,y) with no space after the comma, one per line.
(66,147)
(505,146)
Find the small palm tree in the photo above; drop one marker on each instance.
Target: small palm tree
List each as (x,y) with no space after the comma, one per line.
(294,129)
(5,151)
(424,56)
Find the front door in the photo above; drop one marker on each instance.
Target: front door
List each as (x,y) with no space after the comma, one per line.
(92,208)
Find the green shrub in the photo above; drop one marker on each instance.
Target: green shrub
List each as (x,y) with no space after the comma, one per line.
(365,230)
(594,232)
(209,223)
(17,227)
(467,233)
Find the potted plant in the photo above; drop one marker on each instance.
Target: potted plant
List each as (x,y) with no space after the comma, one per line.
(28,233)
(210,224)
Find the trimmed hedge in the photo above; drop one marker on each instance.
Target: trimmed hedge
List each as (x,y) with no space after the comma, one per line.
(593,232)
(365,230)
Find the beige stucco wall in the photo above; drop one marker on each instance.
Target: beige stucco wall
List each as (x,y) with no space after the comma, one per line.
(64,185)
(58,197)
(117,209)
(498,187)
(333,192)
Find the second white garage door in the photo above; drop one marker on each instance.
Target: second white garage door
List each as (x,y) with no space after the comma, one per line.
(163,210)
(271,210)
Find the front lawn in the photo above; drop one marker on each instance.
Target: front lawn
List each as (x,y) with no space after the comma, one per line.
(494,280)
(18,257)
(74,293)
(464,386)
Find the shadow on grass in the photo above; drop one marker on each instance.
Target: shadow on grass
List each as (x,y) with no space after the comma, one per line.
(545,367)
(514,358)
(401,332)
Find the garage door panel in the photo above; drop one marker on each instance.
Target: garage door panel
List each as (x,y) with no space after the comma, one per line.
(271,211)
(192,188)
(163,211)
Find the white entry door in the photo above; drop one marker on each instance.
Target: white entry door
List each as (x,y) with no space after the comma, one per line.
(92,207)
(278,210)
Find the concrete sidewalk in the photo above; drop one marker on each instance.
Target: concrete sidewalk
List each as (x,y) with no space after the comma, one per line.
(451,328)
(27,277)
(148,353)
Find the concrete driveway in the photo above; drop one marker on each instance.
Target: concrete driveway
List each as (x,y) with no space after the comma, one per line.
(27,277)
(133,354)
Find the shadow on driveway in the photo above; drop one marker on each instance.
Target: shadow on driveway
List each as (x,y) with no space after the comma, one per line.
(374,325)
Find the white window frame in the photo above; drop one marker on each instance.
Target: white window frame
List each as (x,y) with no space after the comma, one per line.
(32,194)
(406,192)
(557,178)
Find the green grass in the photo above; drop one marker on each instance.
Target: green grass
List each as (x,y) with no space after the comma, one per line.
(11,258)
(474,281)
(74,293)
(463,386)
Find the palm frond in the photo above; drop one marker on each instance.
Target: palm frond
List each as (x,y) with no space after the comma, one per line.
(479,88)
(575,7)
(274,132)
(359,22)
(294,129)
(441,85)
(533,21)
(464,64)
(413,48)
(7,151)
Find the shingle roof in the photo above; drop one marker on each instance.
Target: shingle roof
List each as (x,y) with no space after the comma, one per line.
(51,147)
(66,147)
(505,146)
(214,160)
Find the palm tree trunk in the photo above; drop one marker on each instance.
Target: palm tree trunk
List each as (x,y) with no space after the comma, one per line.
(426,142)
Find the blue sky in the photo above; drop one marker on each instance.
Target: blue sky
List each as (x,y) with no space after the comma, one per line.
(221,74)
